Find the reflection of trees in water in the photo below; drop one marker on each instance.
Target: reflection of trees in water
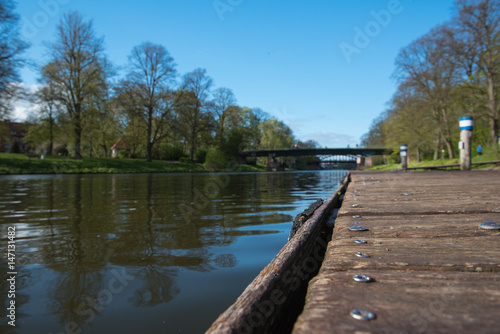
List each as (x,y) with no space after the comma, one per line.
(79,259)
(158,287)
(73,295)
(226,260)
(91,222)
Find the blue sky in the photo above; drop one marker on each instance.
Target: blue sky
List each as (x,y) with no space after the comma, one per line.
(304,62)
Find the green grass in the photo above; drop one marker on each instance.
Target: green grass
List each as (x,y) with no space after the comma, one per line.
(439,162)
(20,164)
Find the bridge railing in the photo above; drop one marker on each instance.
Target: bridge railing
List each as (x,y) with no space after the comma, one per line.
(317,151)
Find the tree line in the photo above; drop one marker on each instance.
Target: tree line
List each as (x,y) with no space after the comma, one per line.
(86,104)
(450,72)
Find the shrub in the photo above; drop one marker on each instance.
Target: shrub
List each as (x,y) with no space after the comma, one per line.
(123,154)
(171,152)
(62,150)
(201,155)
(215,159)
(185,160)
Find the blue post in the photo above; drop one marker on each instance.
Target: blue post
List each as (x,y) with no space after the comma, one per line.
(403,152)
(466,127)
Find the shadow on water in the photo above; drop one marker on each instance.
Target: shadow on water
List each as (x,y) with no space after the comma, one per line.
(145,253)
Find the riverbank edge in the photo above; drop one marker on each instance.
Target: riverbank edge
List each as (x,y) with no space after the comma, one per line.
(20,164)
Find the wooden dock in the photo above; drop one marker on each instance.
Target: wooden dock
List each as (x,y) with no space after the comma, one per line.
(432,269)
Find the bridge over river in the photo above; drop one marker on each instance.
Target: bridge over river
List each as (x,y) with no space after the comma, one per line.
(336,155)
(299,152)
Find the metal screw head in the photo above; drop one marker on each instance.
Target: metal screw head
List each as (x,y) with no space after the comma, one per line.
(355,205)
(357,228)
(356,216)
(362,278)
(359,241)
(361,254)
(490,226)
(360,314)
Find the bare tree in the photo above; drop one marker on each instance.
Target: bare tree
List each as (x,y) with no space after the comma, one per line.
(46,98)
(11,49)
(476,40)
(146,92)
(223,98)
(428,69)
(192,115)
(77,70)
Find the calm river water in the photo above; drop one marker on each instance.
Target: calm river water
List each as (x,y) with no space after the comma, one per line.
(159,253)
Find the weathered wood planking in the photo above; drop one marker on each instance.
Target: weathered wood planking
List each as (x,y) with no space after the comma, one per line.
(453,254)
(422,234)
(268,302)
(415,226)
(404,302)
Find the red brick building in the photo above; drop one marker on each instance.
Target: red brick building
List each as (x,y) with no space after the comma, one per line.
(13,133)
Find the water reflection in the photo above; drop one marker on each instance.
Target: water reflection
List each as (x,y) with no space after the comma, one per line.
(81,236)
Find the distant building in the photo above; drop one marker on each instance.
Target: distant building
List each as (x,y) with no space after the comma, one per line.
(13,133)
(120,145)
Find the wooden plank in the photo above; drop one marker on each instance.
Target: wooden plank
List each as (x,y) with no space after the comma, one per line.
(415,226)
(435,271)
(416,193)
(404,302)
(459,254)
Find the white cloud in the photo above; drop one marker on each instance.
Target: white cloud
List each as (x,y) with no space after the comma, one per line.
(22,108)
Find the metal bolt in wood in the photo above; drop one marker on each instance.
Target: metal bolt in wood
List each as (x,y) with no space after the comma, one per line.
(362,278)
(357,228)
(360,314)
(361,254)
(490,226)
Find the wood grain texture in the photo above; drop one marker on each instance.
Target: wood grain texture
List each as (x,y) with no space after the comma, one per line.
(404,302)
(435,271)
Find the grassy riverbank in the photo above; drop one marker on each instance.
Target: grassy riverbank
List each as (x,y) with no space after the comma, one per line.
(439,162)
(21,164)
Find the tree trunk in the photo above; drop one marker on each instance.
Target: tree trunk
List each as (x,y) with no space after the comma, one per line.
(193,145)
(51,134)
(221,132)
(494,130)
(150,144)
(449,147)
(78,132)
(447,134)
(493,113)
(438,146)
(105,149)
